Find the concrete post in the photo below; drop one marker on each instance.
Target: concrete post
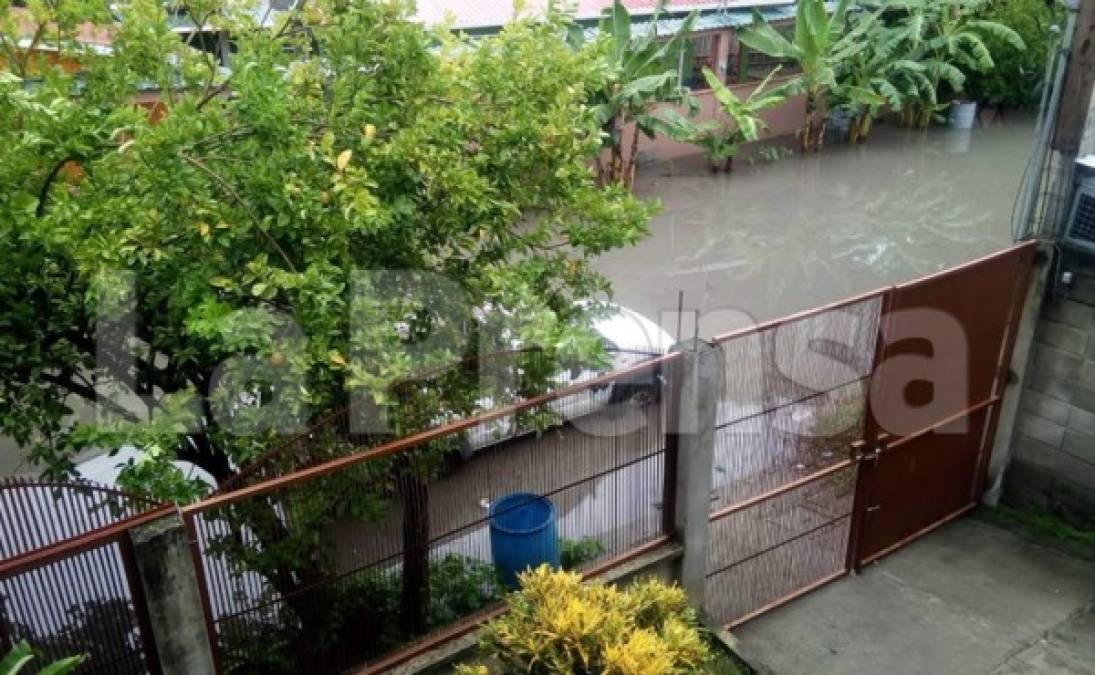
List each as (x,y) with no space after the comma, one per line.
(1020,361)
(175,609)
(697,380)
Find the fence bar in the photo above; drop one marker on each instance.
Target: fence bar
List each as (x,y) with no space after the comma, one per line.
(871,434)
(950,419)
(672,451)
(778,602)
(203,588)
(1018,305)
(942,274)
(76,545)
(140,604)
(773,547)
(798,316)
(919,533)
(413,441)
(475,622)
(776,492)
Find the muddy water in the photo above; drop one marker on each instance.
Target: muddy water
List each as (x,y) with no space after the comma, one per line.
(777,237)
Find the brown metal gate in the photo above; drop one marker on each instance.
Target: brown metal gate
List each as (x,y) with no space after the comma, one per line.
(944,348)
(848,430)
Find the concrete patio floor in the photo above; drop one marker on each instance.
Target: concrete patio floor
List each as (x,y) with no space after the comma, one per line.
(968,598)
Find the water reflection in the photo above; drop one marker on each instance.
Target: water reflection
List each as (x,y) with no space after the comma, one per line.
(778,237)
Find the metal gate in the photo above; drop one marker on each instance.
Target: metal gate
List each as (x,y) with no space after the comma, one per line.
(945,345)
(792,401)
(846,431)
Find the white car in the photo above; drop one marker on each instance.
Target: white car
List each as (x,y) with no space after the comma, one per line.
(630,338)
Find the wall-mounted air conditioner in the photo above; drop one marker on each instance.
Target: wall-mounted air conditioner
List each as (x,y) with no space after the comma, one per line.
(1080,226)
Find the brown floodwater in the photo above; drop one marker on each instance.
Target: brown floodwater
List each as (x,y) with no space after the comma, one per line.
(775,237)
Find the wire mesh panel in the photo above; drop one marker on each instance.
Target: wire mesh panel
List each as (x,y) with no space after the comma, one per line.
(773,548)
(792,399)
(68,584)
(395,543)
(792,403)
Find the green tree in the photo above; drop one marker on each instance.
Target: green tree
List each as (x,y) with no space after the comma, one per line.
(231,230)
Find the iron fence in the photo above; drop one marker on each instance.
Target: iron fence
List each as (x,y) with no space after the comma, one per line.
(339,564)
(792,403)
(68,583)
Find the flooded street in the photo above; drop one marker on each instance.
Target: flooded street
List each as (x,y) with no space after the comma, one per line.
(777,237)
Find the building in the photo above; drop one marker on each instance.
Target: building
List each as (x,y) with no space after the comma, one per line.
(714,45)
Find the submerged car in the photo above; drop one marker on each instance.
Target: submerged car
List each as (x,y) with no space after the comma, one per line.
(630,339)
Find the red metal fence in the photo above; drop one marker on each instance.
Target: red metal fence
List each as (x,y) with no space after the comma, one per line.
(289,587)
(68,583)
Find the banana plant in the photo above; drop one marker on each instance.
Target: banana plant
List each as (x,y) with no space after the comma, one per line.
(22,654)
(948,37)
(817,44)
(863,72)
(645,74)
(722,140)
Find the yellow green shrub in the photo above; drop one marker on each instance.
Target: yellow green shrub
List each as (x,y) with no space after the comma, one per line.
(557,624)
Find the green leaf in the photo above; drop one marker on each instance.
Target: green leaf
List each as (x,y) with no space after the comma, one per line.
(16,659)
(621,28)
(767,40)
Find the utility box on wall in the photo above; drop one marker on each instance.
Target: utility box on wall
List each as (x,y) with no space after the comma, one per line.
(1079,230)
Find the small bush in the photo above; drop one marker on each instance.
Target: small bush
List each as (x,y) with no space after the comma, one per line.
(574,553)
(364,619)
(557,624)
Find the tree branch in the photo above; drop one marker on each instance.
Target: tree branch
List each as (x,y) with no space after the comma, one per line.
(227,187)
(88,394)
(43,193)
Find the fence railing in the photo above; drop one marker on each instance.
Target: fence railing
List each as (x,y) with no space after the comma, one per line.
(346,549)
(393,542)
(68,583)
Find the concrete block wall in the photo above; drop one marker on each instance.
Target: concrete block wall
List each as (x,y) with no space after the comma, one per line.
(1053,450)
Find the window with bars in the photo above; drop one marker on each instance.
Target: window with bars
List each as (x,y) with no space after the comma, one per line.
(748,65)
(704,51)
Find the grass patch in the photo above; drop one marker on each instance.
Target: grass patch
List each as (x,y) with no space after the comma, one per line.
(1045,526)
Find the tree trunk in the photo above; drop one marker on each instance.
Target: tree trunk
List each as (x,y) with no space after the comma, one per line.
(617,168)
(300,582)
(812,135)
(632,159)
(865,127)
(804,134)
(729,166)
(416,551)
(908,115)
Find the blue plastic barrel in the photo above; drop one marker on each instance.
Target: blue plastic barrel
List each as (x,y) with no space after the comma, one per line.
(522,534)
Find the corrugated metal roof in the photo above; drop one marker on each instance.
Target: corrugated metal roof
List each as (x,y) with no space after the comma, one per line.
(486,14)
